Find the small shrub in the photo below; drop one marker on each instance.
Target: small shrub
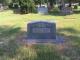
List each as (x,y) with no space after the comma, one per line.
(75,7)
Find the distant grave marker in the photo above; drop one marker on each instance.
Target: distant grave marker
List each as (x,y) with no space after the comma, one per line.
(42,10)
(66,10)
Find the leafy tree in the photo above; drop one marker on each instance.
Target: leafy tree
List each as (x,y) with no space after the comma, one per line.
(39,2)
(26,5)
(5,2)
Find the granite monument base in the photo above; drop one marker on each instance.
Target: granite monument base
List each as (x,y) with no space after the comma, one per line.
(58,40)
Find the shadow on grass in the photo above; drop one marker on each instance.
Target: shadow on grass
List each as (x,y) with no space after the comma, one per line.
(70,30)
(77,12)
(56,14)
(8,31)
(61,14)
(8,35)
(72,52)
(39,52)
(73,35)
(11,49)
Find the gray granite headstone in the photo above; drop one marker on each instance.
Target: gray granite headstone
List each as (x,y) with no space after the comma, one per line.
(42,10)
(41,31)
(66,10)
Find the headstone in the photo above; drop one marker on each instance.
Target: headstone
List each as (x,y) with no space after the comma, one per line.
(42,10)
(1,7)
(41,31)
(66,10)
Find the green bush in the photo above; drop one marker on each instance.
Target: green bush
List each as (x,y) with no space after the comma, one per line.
(75,7)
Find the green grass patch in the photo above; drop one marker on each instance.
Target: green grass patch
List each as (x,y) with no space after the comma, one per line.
(14,26)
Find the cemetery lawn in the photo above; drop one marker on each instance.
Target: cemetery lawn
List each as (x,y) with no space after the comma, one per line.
(13,27)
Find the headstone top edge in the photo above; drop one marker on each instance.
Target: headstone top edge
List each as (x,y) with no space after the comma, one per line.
(42,21)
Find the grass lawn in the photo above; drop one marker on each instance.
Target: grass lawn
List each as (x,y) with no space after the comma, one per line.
(14,26)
